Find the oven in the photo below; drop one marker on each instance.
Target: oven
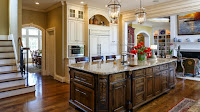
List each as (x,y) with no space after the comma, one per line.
(76,51)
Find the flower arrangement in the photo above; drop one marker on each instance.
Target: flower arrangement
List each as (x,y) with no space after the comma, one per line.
(142,51)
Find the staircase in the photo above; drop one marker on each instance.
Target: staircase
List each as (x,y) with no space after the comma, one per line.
(11,81)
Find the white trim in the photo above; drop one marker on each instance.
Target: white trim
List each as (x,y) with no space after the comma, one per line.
(59,78)
(144,32)
(4,37)
(43,45)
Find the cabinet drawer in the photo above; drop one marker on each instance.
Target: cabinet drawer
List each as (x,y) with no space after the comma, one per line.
(139,89)
(156,69)
(84,79)
(84,97)
(117,77)
(139,99)
(164,67)
(172,64)
(149,71)
(138,73)
(139,81)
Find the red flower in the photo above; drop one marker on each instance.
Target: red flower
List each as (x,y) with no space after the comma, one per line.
(142,43)
(139,44)
(151,54)
(141,53)
(134,51)
(148,55)
(146,50)
(139,47)
(135,47)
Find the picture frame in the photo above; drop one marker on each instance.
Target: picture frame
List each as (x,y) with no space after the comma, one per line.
(188,24)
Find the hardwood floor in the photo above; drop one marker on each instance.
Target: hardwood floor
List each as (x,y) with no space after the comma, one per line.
(53,96)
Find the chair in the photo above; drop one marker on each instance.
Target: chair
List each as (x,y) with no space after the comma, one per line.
(111,57)
(97,58)
(82,59)
(191,66)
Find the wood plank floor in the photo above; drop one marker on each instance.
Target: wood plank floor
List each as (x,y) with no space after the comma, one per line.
(53,96)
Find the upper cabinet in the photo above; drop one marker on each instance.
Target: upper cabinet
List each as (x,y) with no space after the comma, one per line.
(75,24)
(75,12)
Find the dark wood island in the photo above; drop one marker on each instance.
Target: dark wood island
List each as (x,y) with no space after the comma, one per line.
(109,87)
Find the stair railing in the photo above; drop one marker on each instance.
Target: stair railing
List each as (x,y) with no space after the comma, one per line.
(23,58)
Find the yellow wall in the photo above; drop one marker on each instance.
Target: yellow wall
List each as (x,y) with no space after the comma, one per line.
(35,17)
(147,29)
(4,18)
(54,19)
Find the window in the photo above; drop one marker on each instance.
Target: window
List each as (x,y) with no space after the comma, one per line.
(72,13)
(32,38)
(80,14)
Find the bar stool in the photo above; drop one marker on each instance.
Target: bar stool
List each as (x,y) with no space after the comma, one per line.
(82,59)
(97,58)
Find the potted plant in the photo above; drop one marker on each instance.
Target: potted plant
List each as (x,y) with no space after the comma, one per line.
(141,51)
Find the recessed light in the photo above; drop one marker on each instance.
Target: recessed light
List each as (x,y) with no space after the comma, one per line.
(82,2)
(37,3)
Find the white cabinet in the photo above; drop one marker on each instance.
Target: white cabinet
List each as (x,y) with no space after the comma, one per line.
(114,42)
(75,12)
(76,32)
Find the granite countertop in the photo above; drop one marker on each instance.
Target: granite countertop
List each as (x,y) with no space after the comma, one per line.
(106,68)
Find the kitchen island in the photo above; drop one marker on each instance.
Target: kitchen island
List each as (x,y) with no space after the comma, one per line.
(113,87)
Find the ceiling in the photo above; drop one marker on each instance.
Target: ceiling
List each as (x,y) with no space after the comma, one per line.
(125,4)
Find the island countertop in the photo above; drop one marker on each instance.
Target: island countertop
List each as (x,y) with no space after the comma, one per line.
(106,68)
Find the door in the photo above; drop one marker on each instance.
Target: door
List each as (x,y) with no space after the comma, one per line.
(149,86)
(72,31)
(93,45)
(80,31)
(118,96)
(103,41)
(157,83)
(50,51)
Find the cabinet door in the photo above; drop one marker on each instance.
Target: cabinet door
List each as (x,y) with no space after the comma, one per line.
(117,97)
(72,31)
(114,35)
(72,12)
(164,80)
(80,14)
(104,45)
(171,77)
(93,45)
(149,86)
(138,90)
(84,97)
(157,83)
(80,31)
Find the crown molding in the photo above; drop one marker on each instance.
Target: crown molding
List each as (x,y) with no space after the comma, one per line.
(32,9)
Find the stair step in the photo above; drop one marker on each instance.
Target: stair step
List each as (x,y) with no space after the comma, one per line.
(7,61)
(17,90)
(6,40)
(11,64)
(2,58)
(11,79)
(6,45)
(7,54)
(6,51)
(7,68)
(8,72)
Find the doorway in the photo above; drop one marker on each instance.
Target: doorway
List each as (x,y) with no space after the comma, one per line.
(143,37)
(51,51)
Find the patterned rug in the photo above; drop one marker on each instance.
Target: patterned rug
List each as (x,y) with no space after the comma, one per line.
(33,69)
(183,105)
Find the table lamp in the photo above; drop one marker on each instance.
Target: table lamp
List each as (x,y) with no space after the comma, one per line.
(153,47)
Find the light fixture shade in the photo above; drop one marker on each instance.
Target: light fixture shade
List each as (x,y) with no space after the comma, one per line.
(140,15)
(114,10)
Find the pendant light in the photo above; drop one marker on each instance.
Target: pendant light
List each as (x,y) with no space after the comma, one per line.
(140,14)
(114,9)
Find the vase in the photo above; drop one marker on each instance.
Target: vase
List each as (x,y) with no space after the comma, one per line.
(141,57)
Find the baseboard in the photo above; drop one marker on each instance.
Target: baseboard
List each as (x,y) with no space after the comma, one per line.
(59,78)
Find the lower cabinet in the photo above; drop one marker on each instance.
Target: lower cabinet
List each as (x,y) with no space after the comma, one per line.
(84,97)
(157,83)
(138,90)
(164,80)
(117,93)
(149,86)
(171,77)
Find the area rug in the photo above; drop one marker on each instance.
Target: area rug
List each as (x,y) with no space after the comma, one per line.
(183,105)
(33,69)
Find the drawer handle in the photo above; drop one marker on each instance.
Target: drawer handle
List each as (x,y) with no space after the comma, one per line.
(77,77)
(80,92)
(83,79)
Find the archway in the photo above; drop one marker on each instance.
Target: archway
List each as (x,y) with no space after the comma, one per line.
(43,45)
(146,38)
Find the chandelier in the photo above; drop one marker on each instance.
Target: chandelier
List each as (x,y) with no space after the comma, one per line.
(114,9)
(140,14)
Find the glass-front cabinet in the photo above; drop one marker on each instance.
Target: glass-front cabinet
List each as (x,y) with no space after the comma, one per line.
(75,12)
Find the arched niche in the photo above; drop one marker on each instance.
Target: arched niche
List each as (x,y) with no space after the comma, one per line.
(146,38)
(99,20)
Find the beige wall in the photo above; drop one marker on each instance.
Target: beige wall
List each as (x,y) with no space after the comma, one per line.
(35,17)
(54,19)
(4,19)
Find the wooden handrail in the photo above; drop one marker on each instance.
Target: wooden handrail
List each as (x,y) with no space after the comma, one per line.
(20,41)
